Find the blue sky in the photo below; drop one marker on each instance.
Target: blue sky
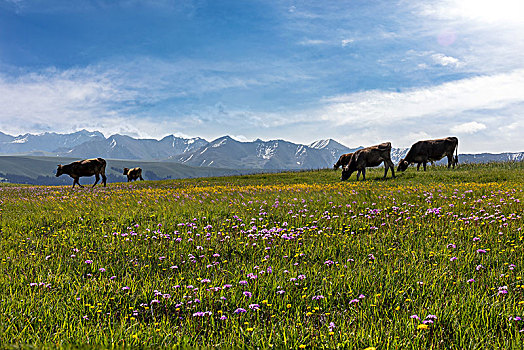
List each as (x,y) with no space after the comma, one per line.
(360,72)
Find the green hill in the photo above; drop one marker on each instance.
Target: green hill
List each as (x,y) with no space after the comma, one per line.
(41,170)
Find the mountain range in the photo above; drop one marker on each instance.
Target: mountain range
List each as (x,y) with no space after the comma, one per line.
(224,152)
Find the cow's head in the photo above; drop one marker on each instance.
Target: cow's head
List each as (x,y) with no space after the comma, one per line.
(59,170)
(126,170)
(346,172)
(402,165)
(336,166)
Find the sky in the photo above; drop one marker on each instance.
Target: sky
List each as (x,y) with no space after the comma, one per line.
(357,71)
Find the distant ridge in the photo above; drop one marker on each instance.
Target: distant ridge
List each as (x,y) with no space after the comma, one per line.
(224,152)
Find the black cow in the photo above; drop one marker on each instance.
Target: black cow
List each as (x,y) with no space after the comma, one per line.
(426,151)
(133,174)
(87,167)
(369,157)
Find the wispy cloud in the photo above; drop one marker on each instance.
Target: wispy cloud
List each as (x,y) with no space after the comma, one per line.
(468,128)
(448,99)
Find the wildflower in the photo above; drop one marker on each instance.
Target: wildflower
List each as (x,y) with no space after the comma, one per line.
(240,311)
(453,258)
(223,317)
(415,317)
(451,245)
(125,288)
(479,267)
(481,251)
(248,294)
(475,239)
(317,297)
(354,301)
(89,261)
(205,280)
(102,269)
(281,291)
(254,307)
(503,290)
(431,317)
(471,280)
(242,283)
(422,326)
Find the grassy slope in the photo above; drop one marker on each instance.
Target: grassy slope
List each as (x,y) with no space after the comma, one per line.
(363,247)
(42,169)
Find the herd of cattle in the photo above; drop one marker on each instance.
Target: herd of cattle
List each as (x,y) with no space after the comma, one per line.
(95,166)
(421,152)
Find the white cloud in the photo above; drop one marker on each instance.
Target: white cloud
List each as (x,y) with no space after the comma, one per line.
(448,99)
(444,60)
(308,42)
(468,128)
(346,42)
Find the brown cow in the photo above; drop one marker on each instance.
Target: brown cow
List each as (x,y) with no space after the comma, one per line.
(369,157)
(426,151)
(86,167)
(133,174)
(342,161)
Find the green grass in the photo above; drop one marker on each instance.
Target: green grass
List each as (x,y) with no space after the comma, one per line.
(356,261)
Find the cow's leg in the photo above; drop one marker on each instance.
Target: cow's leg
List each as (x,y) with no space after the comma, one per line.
(76,180)
(97,178)
(392,166)
(358,174)
(141,178)
(386,167)
(424,165)
(363,174)
(128,179)
(104,179)
(418,166)
(450,160)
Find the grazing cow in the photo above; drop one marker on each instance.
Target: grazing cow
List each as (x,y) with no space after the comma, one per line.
(86,167)
(342,161)
(423,152)
(369,157)
(133,174)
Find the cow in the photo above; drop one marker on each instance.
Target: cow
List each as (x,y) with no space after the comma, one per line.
(86,167)
(342,161)
(133,174)
(369,157)
(426,151)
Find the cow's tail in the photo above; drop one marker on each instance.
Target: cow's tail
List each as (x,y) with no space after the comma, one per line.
(456,160)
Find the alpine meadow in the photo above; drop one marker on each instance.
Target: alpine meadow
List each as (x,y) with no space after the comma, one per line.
(297,260)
